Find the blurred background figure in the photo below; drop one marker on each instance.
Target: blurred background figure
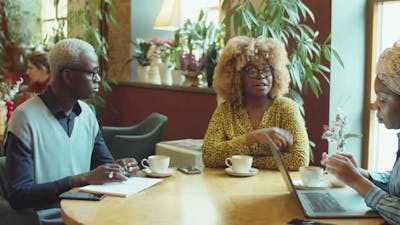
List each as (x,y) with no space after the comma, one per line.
(38,72)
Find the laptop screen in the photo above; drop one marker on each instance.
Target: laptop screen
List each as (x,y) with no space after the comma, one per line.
(351,201)
(281,165)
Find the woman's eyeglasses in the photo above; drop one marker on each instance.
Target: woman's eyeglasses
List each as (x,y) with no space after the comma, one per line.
(254,73)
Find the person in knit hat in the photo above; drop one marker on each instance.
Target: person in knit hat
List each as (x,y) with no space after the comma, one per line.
(381,190)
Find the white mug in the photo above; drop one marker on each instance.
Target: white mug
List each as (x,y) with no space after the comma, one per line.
(311,175)
(156,163)
(239,163)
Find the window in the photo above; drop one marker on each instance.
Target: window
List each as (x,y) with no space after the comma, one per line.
(383,31)
(50,15)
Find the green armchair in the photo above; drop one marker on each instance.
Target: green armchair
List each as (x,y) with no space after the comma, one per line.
(8,215)
(138,141)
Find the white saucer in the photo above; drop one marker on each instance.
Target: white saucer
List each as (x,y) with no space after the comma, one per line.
(323,184)
(169,172)
(231,172)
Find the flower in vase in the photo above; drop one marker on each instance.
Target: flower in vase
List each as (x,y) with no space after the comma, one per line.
(188,62)
(9,90)
(163,50)
(142,52)
(337,131)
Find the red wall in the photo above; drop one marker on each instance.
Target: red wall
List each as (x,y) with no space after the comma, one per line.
(317,109)
(189,113)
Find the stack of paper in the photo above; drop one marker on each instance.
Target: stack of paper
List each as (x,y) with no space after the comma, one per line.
(131,186)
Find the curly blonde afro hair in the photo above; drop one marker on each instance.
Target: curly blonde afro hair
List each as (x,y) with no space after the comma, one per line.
(238,52)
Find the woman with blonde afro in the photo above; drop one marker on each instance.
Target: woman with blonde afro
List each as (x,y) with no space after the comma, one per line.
(250,79)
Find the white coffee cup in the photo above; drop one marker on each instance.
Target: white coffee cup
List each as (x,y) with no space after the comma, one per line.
(156,163)
(311,175)
(239,163)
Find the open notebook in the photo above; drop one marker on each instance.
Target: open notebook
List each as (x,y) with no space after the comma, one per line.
(123,189)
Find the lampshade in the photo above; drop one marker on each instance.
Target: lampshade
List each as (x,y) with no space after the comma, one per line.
(169,16)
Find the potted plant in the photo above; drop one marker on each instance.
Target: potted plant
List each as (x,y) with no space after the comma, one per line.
(200,43)
(163,51)
(191,67)
(215,39)
(337,133)
(17,31)
(7,93)
(142,52)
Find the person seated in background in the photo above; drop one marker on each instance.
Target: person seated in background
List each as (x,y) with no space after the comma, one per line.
(39,76)
(54,142)
(381,190)
(250,78)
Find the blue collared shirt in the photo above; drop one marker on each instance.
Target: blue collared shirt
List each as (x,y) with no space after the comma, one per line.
(22,176)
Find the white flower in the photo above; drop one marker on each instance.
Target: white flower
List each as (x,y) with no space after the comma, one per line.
(8,91)
(337,132)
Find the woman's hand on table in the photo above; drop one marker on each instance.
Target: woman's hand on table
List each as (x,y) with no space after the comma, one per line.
(349,157)
(279,136)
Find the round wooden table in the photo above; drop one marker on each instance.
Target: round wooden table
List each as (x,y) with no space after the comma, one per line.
(210,198)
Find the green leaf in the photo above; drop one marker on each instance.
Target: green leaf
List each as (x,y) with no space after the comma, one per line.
(327,39)
(315,86)
(113,20)
(326,52)
(337,57)
(323,68)
(298,99)
(202,15)
(233,11)
(246,20)
(252,17)
(99,15)
(305,8)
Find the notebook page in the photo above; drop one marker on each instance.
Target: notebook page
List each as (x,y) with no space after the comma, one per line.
(123,189)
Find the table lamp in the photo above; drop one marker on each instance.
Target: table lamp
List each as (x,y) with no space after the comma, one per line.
(169,16)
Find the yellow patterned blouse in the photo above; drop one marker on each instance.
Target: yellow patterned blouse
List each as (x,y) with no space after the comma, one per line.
(226,135)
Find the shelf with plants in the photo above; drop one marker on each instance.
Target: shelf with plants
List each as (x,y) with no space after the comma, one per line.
(193,51)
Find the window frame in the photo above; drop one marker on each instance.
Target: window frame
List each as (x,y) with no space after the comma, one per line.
(370,67)
(57,17)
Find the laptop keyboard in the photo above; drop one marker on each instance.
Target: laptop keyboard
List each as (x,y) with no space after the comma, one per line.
(322,202)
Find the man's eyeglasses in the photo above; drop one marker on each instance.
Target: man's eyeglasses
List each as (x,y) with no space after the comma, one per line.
(90,74)
(254,72)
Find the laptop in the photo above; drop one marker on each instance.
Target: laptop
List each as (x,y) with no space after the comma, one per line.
(328,203)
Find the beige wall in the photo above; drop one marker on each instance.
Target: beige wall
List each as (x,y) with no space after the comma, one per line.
(118,37)
(119,41)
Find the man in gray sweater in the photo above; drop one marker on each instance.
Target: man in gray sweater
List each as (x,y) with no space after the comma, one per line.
(54,142)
